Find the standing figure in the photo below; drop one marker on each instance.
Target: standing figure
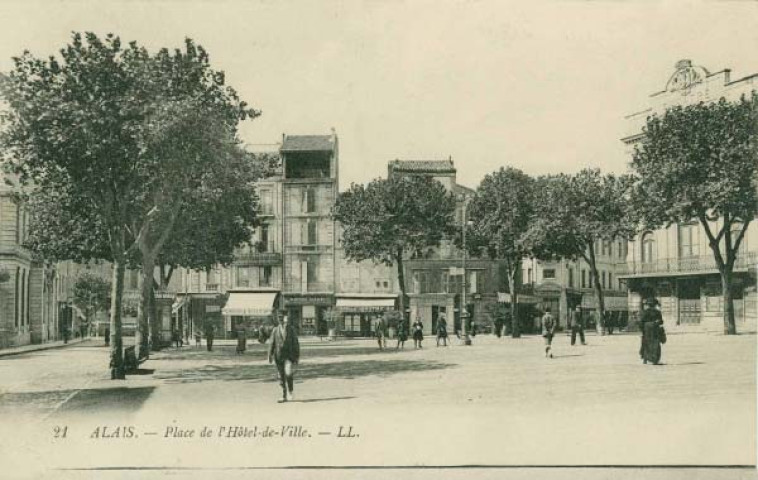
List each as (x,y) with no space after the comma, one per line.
(380,330)
(107,336)
(548,331)
(209,333)
(418,333)
(175,338)
(576,322)
(285,352)
(442,331)
(198,336)
(241,340)
(402,334)
(651,324)
(608,321)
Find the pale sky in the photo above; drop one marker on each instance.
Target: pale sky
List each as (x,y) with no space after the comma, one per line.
(542,86)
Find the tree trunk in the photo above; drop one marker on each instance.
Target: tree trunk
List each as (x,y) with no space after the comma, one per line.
(401,283)
(730,327)
(598,292)
(117,289)
(155,321)
(142,339)
(515,323)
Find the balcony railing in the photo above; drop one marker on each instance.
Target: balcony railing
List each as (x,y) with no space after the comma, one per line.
(684,265)
(311,287)
(258,258)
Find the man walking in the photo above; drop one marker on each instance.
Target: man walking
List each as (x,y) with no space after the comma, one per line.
(285,352)
(442,330)
(576,322)
(548,331)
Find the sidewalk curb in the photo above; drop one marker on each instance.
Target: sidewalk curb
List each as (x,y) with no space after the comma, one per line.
(43,346)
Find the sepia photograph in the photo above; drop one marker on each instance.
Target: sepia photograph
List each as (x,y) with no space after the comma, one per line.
(451,239)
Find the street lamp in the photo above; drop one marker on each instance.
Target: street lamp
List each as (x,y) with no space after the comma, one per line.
(466,339)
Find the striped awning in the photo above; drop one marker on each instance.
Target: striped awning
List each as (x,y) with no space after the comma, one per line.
(250,304)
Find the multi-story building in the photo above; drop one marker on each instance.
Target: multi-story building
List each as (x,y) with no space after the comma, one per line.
(31,310)
(675,264)
(435,282)
(563,285)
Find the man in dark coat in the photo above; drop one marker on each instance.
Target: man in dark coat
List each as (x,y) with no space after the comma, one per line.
(651,325)
(576,323)
(285,352)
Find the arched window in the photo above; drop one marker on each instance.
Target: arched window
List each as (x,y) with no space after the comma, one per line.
(648,247)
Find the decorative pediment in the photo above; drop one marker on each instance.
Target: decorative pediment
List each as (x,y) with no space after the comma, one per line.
(685,77)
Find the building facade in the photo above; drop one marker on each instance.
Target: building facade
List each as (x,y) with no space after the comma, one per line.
(435,282)
(563,285)
(675,264)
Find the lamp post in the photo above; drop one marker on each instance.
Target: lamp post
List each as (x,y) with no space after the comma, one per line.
(466,339)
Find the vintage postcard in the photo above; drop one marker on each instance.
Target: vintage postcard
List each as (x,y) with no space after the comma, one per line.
(374,239)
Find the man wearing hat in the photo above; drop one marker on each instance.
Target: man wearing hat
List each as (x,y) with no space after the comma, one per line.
(576,323)
(285,352)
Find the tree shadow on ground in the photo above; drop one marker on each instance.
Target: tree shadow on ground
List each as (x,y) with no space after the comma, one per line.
(267,373)
(260,352)
(95,401)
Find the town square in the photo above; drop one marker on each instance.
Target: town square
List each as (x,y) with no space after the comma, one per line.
(417,238)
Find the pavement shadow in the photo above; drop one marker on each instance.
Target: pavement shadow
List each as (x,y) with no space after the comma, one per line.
(312,400)
(91,401)
(267,373)
(569,355)
(258,352)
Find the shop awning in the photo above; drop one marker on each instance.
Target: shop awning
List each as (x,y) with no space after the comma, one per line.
(521,297)
(365,302)
(250,304)
(179,303)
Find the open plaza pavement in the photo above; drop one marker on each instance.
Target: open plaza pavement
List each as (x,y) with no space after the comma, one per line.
(497,403)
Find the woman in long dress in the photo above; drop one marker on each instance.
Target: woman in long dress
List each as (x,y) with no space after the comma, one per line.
(651,324)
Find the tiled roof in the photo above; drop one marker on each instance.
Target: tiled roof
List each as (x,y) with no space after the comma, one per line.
(307,143)
(425,166)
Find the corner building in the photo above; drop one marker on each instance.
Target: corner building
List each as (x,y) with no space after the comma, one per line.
(675,264)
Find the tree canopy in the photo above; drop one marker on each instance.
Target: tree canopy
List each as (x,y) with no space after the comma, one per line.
(700,163)
(572,212)
(501,213)
(389,219)
(121,135)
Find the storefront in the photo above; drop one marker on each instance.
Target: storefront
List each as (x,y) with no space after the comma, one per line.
(356,314)
(249,309)
(307,313)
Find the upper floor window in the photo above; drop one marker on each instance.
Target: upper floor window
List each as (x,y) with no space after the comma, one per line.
(548,273)
(648,247)
(688,240)
(571,277)
(267,202)
(309,200)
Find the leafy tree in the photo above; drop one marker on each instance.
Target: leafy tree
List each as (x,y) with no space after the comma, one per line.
(91,295)
(502,212)
(699,162)
(387,220)
(122,134)
(573,212)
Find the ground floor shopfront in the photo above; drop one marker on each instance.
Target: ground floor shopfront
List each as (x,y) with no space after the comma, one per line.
(429,307)
(695,302)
